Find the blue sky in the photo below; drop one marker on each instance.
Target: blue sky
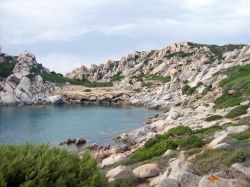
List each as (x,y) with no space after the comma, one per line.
(66,33)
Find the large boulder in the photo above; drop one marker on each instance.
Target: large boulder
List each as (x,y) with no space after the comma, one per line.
(113,159)
(118,172)
(215,181)
(237,129)
(147,170)
(56,99)
(177,167)
(80,142)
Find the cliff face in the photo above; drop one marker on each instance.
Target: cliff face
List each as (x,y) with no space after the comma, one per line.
(158,76)
(19,83)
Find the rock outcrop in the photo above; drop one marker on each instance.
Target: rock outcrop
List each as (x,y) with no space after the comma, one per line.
(23,86)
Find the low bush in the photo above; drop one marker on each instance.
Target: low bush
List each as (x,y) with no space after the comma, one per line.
(59,78)
(214,160)
(238,111)
(191,142)
(213,118)
(242,136)
(117,77)
(178,136)
(30,165)
(163,79)
(238,79)
(208,130)
(180,54)
(180,130)
(6,69)
(156,149)
(186,89)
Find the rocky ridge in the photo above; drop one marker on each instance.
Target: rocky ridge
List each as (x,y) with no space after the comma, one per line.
(19,85)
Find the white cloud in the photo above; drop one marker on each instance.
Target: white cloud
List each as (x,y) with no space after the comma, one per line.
(93,26)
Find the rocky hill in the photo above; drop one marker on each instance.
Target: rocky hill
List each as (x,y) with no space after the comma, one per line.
(21,80)
(201,136)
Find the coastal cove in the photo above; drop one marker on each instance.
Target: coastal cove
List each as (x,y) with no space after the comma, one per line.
(55,123)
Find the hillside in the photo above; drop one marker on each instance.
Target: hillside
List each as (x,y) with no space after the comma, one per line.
(201,136)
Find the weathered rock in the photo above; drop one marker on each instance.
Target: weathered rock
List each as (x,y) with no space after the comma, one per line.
(167,182)
(56,99)
(118,172)
(188,179)
(177,167)
(237,129)
(215,181)
(168,152)
(217,140)
(239,171)
(147,170)
(113,159)
(80,142)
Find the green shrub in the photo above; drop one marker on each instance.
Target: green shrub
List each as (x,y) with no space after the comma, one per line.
(238,79)
(147,84)
(191,142)
(117,77)
(238,111)
(6,69)
(186,89)
(59,78)
(208,88)
(29,165)
(208,130)
(180,130)
(180,54)
(213,118)
(242,136)
(163,79)
(214,160)
(156,149)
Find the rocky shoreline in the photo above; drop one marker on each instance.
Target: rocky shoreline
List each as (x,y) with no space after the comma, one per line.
(201,138)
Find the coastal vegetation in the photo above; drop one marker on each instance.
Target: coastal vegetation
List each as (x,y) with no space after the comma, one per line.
(59,78)
(40,165)
(181,136)
(236,87)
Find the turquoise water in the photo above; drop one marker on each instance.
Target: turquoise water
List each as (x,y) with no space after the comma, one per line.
(53,124)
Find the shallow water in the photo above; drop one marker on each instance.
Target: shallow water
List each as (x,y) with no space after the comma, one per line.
(53,124)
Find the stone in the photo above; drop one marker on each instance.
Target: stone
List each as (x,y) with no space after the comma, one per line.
(221,146)
(147,170)
(216,181)
(188,179)
(174,113)
(239,171)
(80,142)
(113,159)
(118,172)
(155,181)
(167,182)
(168,152)
(55,99)
(217,141)
(237,129)
(247,102)
(177,167)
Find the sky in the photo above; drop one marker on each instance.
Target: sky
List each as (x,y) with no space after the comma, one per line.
(64,34)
